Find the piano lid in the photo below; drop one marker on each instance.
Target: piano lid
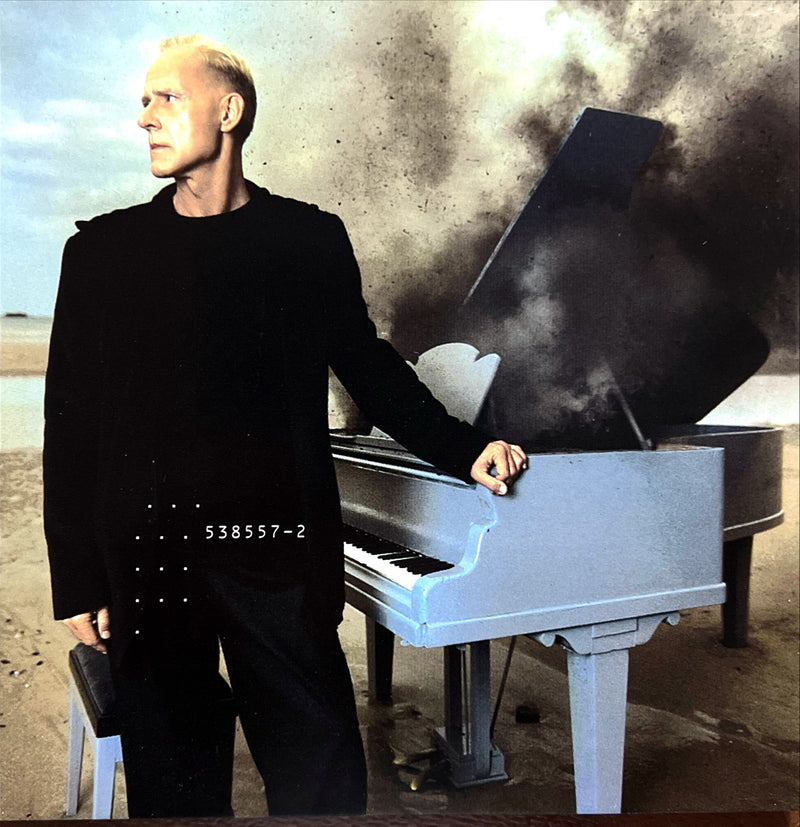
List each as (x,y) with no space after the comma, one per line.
(585,295)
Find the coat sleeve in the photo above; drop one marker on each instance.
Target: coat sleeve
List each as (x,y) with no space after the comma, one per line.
(379,380)
(72,418)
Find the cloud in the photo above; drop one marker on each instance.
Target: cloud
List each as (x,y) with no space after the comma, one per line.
(125,130)
(19,131)
(24,165)
(65,108)
(42,145)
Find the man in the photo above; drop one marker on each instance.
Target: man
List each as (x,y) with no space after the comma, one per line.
(190,497)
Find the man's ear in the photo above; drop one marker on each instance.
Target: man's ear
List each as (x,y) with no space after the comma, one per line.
(232,110)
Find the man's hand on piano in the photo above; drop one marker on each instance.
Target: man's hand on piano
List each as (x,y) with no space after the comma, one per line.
(509,461)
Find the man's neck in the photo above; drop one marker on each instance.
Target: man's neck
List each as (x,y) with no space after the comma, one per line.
(219,192)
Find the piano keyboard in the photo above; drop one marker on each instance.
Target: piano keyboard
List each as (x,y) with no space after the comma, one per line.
(402,565)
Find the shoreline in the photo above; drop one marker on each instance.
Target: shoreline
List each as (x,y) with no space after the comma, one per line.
(23,358)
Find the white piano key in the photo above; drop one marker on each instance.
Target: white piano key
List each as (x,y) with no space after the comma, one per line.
(402,577)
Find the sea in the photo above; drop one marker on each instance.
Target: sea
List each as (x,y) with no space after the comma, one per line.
(765,399)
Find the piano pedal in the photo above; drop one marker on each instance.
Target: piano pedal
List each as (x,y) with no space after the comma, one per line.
(402,759)
(435,772)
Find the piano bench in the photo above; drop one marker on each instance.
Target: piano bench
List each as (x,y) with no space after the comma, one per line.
(91,699)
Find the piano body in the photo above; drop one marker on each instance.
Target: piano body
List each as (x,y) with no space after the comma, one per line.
(598,542)
(600,514)
(590,549)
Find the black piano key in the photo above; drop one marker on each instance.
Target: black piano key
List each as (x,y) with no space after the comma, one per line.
(425,566)
(417,568)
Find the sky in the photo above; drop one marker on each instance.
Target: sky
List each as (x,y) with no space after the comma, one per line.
(72,75)
(423,123)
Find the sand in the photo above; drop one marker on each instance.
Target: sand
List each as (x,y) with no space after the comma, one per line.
(34,692)
(24,343)
(23,359)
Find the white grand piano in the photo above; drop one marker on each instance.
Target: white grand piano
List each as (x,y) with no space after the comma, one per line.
(594,548)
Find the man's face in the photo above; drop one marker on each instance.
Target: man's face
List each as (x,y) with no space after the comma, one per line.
(182,102)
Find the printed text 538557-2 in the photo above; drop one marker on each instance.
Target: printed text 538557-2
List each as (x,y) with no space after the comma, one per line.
(253,532)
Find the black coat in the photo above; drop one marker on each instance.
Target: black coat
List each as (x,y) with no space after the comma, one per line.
(297,291)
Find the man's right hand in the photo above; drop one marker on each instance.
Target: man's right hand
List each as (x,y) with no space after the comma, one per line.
(91,628)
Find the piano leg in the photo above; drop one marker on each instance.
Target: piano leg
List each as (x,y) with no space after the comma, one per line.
(597,668)
(598,687)
(736,559)
(465,739)
(380,660)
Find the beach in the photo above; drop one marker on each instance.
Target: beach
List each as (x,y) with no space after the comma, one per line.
(23,345)
(696,709)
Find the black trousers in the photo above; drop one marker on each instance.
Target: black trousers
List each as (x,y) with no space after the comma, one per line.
(292,691)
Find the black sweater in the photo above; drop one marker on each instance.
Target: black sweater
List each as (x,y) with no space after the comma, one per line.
(188,370)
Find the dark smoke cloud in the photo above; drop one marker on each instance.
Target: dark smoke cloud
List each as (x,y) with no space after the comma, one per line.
(733,212)
(600,309)
(425,317)
(415,69)
(713,221)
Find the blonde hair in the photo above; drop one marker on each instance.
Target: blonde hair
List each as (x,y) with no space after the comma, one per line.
(230,67)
